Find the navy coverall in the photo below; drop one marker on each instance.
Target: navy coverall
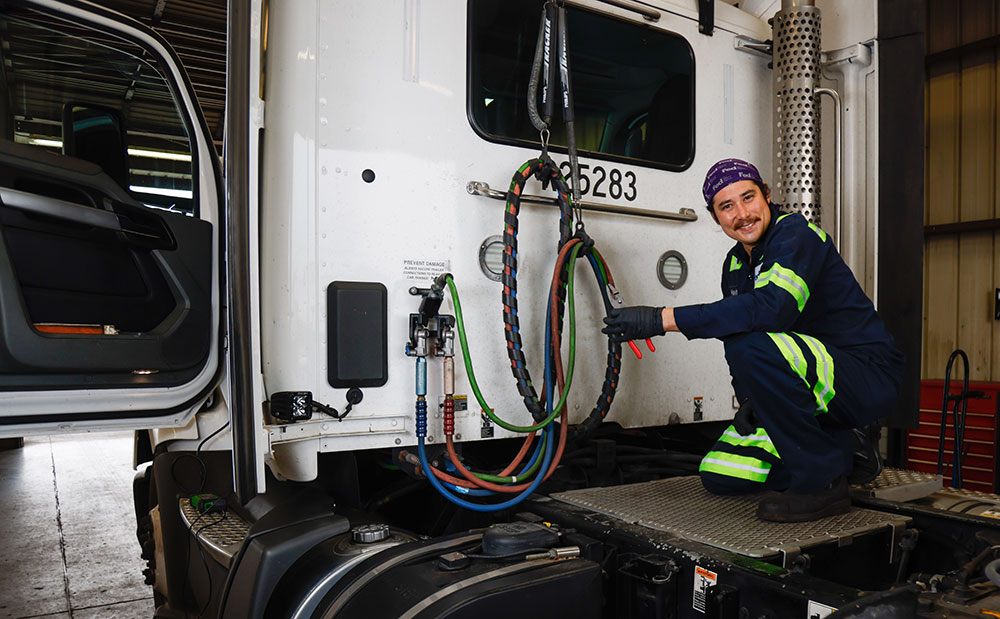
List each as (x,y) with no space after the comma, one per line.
(805,346)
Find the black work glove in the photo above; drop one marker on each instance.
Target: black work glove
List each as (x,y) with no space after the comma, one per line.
(744,420)
(634,323)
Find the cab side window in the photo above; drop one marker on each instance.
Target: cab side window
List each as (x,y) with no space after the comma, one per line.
(633,84)
(101,99)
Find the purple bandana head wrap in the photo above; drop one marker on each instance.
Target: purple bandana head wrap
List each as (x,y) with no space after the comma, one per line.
(727,172)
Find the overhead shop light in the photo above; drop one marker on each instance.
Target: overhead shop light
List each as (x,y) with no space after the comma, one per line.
(159,154)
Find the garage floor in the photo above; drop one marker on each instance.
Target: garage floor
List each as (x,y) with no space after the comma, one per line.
(67,530)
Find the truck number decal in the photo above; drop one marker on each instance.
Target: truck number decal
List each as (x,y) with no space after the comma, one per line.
(606,182)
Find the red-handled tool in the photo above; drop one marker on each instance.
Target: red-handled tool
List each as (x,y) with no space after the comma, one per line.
(635,349)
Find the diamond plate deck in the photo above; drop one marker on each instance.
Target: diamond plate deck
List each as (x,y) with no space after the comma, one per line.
(220,534)
(964,493)
(682,507)
(900,485)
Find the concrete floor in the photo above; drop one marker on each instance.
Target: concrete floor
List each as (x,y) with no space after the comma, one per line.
(67,530)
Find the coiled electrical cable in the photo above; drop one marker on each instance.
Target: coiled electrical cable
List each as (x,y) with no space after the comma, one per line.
(546,170)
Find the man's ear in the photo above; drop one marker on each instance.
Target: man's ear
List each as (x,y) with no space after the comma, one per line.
(711,211)
(767,192)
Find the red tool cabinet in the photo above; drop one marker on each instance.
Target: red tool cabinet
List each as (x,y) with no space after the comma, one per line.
(980,467)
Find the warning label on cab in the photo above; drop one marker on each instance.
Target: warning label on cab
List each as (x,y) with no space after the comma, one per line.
(703,579)
(424,270)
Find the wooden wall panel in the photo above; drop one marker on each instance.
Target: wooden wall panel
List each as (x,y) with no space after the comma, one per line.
(975,292)
(940,303)
(995,339)
(976,18)
(962,184)
(977,171)
(942,25)
(942,192)
(942,145)
(977,114)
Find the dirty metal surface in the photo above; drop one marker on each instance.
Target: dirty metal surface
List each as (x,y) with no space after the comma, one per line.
(682,507)
(900,485)
(220,534)
(964,493)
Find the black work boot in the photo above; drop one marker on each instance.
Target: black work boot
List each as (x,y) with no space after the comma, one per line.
(791,506)
(867,459)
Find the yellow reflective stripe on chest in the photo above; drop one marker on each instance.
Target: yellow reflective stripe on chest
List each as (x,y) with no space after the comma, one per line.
(735,264)
(786,279)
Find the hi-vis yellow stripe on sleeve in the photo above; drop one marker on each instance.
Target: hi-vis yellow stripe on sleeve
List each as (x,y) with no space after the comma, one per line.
(818,231)
(787,280)
(731,465)
(823,389)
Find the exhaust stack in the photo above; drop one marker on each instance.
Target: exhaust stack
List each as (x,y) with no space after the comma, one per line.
(796,176)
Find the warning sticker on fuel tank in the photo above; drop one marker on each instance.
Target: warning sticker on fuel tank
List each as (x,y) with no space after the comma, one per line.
(703,579)
(424,270)
(819,611)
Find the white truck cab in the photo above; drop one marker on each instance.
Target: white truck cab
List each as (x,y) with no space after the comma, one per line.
(269,325)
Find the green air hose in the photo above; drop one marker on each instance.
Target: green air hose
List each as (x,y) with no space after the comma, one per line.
(467,357)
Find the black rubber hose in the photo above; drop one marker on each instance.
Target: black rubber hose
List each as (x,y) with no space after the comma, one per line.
(611,374)
(567,94)
(536,69)
(550,69)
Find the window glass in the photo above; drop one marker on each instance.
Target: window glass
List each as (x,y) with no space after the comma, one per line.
(633,85)
(96,97)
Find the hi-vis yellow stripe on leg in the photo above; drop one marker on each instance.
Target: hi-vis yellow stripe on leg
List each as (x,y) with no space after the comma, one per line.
(732,465)
(823,389)
(758,439)
(824,372)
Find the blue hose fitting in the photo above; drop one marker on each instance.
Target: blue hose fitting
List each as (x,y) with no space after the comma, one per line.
(421,376)
(421,417)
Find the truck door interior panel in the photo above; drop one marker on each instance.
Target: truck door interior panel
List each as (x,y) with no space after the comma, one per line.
(79,251)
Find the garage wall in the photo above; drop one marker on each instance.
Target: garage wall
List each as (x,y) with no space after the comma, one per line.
(962,185)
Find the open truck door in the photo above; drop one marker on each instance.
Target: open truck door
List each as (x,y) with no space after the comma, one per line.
(109,225)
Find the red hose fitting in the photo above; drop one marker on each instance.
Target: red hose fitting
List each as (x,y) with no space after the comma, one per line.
(449,415)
